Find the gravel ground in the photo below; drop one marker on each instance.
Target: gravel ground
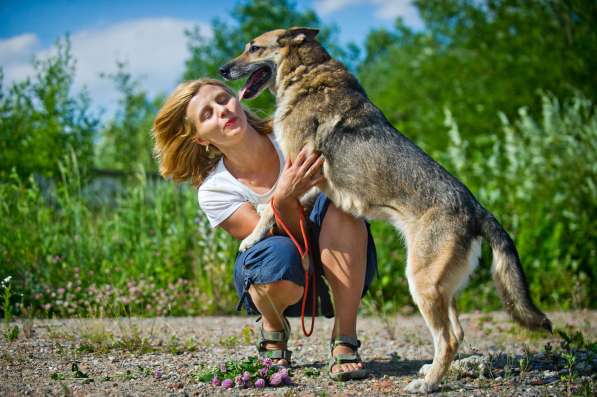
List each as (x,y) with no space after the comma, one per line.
(160,356)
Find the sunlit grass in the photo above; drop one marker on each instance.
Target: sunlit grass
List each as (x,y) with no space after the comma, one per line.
(149,251)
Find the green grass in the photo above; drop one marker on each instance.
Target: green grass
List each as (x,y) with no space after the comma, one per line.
(148,250)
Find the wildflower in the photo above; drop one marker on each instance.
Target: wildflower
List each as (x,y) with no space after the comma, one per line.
(267,362)
(215,381)
(285,377)
(158,373)
(223,367)
(246,376)
(6,280)
(260,383)
(276,379)
(227,384)
(239,380)
(263,372)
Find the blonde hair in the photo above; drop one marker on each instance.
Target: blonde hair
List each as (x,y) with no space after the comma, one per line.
(180,157)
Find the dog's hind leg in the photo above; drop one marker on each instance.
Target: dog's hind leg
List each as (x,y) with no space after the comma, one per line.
(435,312)
(456,330)
(430,273)
(454,322)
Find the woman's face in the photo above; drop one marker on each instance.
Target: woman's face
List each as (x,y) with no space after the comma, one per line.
(217,116)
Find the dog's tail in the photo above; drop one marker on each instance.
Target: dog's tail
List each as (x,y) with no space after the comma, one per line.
(509,276)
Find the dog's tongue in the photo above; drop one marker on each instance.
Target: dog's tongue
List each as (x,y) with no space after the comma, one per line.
(241,95)
(245,92)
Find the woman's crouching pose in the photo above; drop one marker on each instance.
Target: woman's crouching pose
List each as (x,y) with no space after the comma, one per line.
(203,134)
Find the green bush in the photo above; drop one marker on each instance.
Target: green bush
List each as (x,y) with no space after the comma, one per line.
(149,250)
(125,139)
(152,233)
(539,181)
(40,118)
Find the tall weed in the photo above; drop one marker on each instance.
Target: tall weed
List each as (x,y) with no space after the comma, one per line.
(540,182)
(60,241)
(150,251)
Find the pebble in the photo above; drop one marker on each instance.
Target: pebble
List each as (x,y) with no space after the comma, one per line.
(549,374)
(412,345)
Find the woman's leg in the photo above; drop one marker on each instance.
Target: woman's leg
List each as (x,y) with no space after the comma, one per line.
(343,244)
(271,300)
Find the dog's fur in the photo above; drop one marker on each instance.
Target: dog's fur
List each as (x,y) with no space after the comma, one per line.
(373,171)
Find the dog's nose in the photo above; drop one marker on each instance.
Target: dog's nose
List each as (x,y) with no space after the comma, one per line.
(224,71)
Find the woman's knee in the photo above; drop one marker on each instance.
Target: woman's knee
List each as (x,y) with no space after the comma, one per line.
(282,291)
(336,219)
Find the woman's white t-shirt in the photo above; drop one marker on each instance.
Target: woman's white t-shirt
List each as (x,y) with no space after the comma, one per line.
(221,194)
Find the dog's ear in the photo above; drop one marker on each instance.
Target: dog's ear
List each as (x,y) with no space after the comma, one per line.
(298,35)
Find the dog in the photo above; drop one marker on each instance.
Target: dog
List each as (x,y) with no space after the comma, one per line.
(372,171)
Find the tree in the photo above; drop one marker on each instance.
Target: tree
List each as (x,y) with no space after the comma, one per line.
(477,58)
(40,119)
(252,18)
(126,140)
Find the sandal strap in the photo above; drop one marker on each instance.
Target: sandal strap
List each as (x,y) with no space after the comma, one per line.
(346,358)
(277,354)
(273,336)
(281,336)
(350,341)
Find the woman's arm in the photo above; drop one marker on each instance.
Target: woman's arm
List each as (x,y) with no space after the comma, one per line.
(242,221)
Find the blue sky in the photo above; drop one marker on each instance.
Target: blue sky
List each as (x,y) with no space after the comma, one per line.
(148,35)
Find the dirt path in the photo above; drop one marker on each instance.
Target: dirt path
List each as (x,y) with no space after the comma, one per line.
(160,356)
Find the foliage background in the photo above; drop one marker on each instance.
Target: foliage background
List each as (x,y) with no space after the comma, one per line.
(501,93)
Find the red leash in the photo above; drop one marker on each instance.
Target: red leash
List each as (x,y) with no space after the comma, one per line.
(304,259)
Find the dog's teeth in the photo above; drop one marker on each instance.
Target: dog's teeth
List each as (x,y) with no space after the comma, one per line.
(241,95)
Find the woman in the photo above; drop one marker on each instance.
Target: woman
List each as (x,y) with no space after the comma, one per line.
(203,134)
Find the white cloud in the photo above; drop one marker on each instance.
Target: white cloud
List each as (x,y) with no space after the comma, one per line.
(16,54)
(18,47)
(154,50)
(383,9)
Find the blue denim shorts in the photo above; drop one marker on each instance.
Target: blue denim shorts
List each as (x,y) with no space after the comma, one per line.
(276,258)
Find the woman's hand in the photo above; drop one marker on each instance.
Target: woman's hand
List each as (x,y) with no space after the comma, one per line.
(299,176)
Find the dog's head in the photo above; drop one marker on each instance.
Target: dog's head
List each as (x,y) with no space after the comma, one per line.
(261,58)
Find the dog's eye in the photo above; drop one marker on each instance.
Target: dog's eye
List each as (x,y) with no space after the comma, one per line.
(254,48)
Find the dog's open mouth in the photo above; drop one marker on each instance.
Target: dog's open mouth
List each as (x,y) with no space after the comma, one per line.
(256,82)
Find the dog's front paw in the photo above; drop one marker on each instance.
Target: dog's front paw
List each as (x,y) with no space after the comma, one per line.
(248,242)
(424,370)
(419,386)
